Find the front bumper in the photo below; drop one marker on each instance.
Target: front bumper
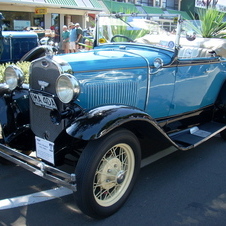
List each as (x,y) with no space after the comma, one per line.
(39,168)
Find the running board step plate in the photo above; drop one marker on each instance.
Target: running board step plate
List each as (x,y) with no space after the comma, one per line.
(196,135)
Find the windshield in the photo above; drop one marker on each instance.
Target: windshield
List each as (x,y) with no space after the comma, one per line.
(166,31)
(153,29)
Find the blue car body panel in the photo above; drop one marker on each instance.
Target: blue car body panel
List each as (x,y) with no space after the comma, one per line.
(171,90)
(16,44)
(128,69)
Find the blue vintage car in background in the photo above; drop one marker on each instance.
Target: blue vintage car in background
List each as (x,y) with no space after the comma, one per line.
(21,45)
(151,82)
(15,44)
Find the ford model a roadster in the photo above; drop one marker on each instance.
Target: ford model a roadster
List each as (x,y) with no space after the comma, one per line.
(151,82)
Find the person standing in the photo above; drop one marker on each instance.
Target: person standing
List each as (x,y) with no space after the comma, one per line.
(79,36)
(72,38)
(65,39)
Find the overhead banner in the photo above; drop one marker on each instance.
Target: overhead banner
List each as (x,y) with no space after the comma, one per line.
(219,5)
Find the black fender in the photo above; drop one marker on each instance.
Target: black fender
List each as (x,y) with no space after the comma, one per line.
(100,121)
(38,51)
(4,89)
(14,107)
(14,118)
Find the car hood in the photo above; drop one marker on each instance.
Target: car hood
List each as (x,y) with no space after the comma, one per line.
(19,34)
(115,58)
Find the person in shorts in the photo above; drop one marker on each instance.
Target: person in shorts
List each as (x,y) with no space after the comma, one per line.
(72,38)
(79,36)
(65,39)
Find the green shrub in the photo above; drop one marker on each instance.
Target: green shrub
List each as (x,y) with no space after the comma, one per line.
(24,66)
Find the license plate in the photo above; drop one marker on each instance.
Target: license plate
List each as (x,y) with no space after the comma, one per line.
(43,101)
(44,149)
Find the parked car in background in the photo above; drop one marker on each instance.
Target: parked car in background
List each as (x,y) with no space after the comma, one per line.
(151,81)
(21,45)
(16,44)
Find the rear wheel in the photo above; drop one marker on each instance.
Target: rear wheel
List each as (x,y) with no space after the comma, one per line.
(106,173)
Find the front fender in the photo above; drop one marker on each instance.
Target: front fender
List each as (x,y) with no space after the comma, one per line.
(4,90)
(14,118)
(37,52)
(99,121)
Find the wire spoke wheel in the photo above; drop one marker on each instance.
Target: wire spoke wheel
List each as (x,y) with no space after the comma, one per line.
(106,173)
(113,175)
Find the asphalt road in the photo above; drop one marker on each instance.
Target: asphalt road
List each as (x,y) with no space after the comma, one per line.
(183,188)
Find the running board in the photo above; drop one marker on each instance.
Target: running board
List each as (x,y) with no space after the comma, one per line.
(194,136)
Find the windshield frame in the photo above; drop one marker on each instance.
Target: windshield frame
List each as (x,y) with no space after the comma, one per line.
(120,16)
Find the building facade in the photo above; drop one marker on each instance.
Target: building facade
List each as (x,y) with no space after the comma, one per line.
(56,13)
(48,14)
(168,4)
(52,14)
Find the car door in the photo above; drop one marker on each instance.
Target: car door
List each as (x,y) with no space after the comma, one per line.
(196,81)
(160,91)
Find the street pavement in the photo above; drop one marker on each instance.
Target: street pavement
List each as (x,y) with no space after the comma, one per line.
(182,188)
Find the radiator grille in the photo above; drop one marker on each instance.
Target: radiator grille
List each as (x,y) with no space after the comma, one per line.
(41,123)
(111,93)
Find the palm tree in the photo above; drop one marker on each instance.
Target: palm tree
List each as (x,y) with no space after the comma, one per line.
(212,24)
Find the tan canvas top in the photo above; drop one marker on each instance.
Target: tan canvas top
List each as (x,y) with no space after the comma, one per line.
(213,44)
(216,44)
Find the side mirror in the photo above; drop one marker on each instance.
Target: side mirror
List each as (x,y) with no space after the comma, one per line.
(190,35)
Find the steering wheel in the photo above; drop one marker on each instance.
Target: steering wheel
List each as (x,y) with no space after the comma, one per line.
(121,36)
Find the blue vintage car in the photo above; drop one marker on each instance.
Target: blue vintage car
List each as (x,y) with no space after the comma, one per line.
(21,45)
(151,82)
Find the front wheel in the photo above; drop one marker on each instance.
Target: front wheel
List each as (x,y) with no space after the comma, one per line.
(106,173)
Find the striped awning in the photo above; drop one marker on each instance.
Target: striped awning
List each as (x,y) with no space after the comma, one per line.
(182,13)
(96,4)
(152,10)
(116,7)
(62,2)
(91,4)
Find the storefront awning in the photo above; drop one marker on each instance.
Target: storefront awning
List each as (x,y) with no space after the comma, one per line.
(154,10)
(62,2)
(35,1)
(182,13)
(116,7)
(24,1)
(89,4)
(96,4)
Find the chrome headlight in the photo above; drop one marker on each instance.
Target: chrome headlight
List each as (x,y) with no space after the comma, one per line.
(67,88)
(13,76)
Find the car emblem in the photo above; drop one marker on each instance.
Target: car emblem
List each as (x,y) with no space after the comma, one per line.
(45,63)
(43,84)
